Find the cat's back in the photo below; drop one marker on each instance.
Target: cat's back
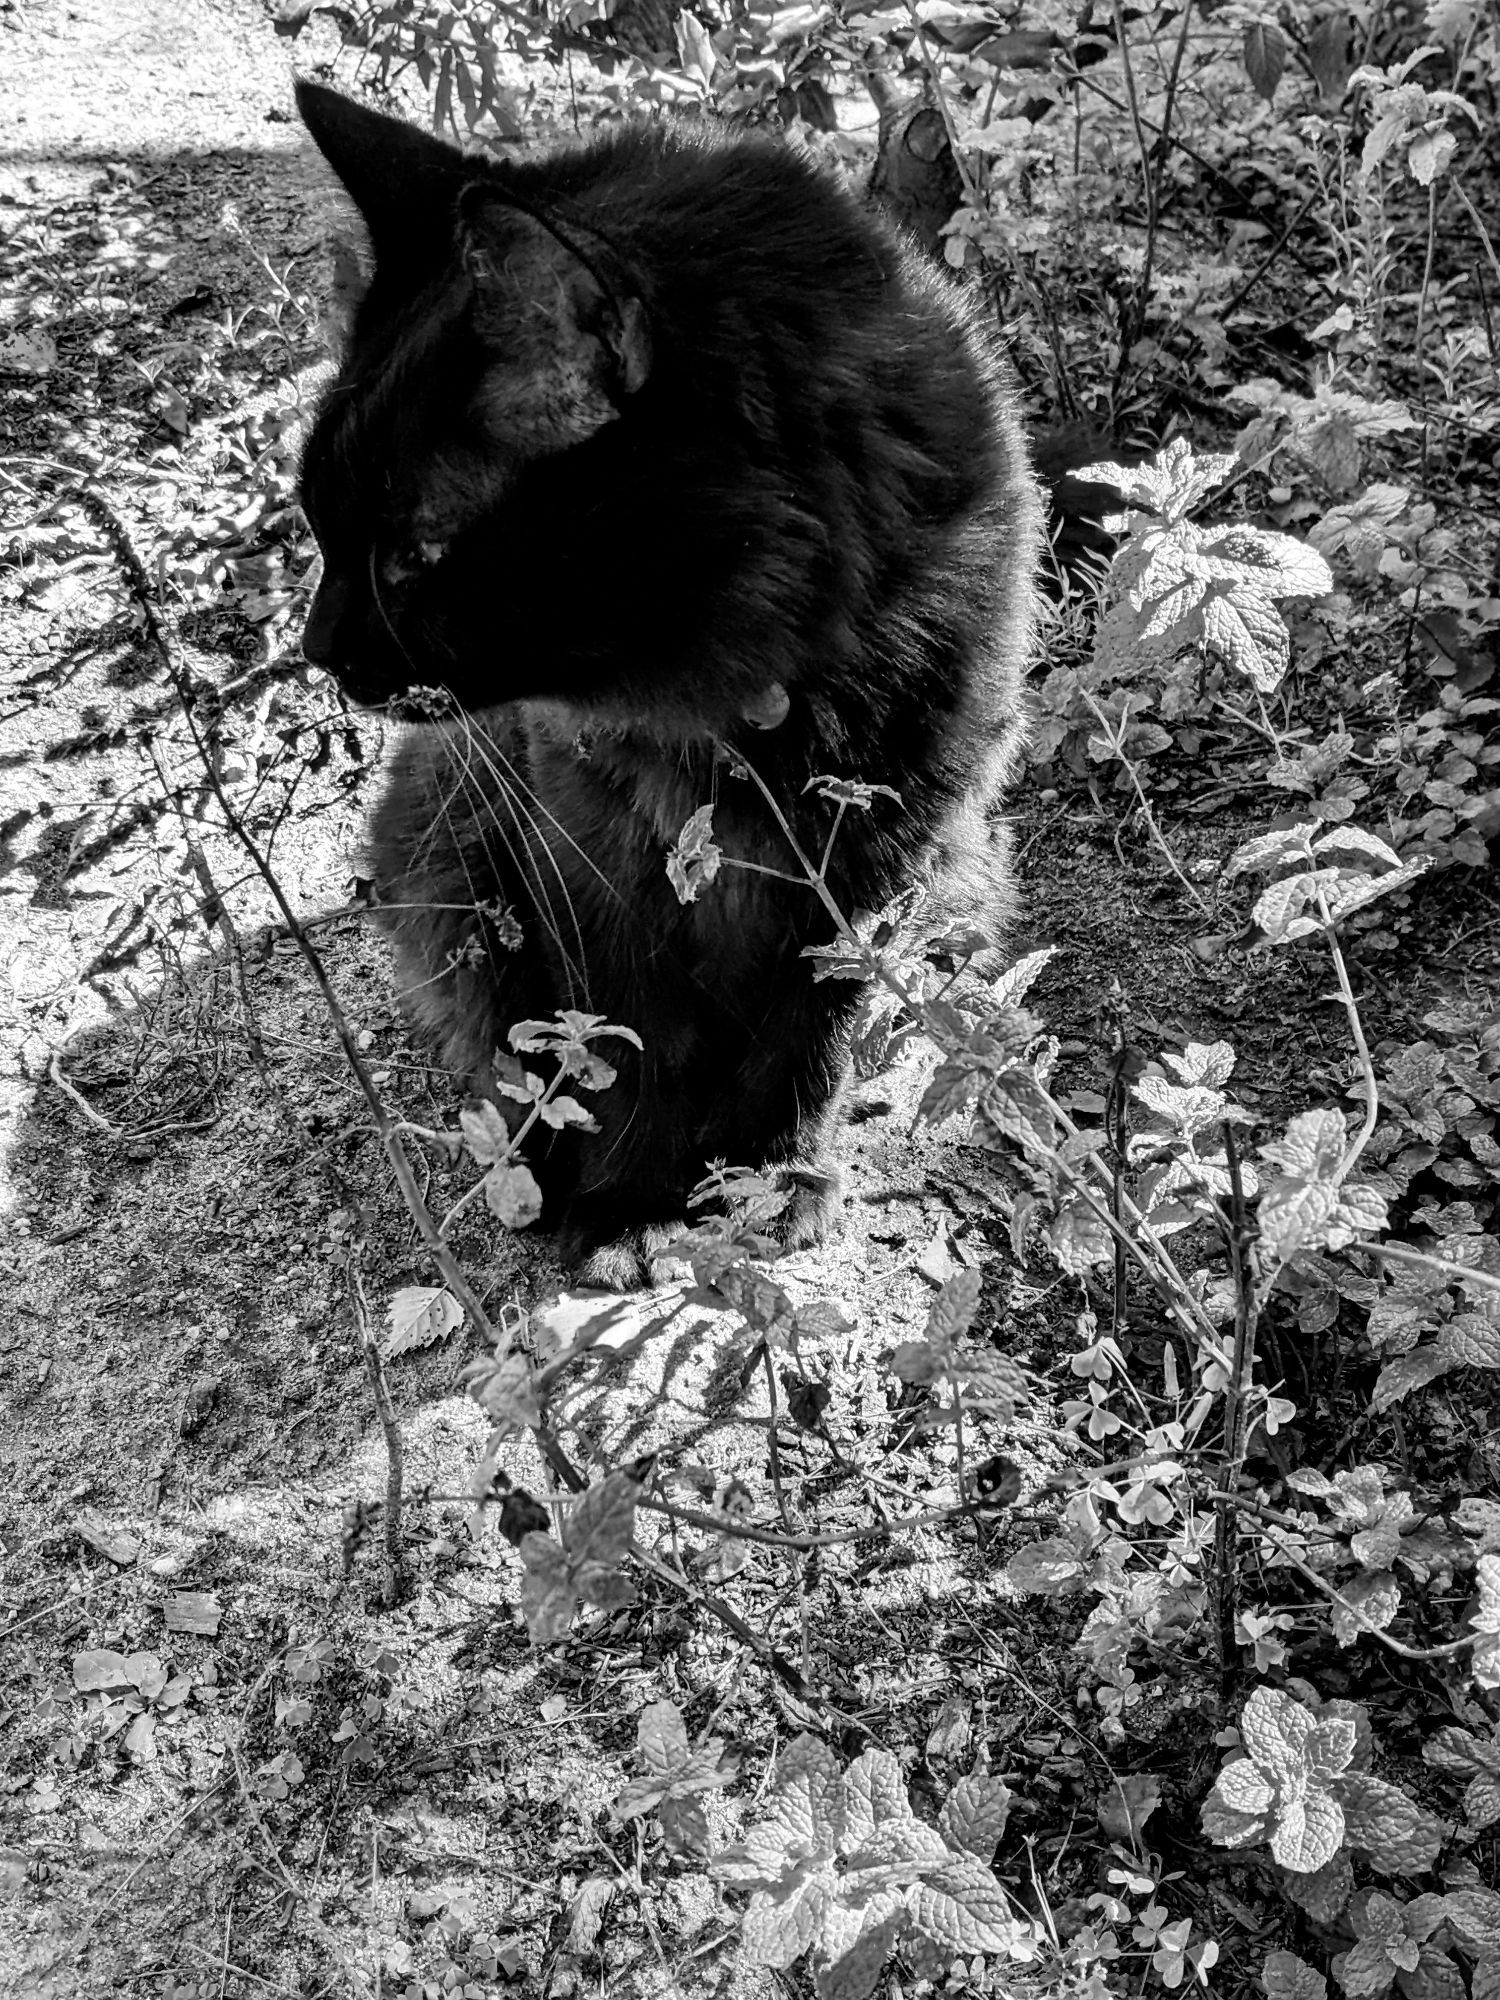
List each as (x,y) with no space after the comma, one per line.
(690,196)
(745,243)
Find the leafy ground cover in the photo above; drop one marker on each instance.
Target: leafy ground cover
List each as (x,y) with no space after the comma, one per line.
(1084,1576)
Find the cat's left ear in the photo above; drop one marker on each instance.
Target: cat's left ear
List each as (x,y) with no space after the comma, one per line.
(403,181)
(533,274)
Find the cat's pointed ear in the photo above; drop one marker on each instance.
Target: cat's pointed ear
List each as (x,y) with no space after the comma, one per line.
(531,271)
(403,181)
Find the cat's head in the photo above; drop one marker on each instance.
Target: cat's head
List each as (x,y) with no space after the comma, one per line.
(499,334)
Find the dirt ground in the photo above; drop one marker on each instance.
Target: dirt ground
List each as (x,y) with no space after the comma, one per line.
(301,1792)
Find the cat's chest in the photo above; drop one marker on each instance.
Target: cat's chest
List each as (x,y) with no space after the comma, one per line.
(621,808)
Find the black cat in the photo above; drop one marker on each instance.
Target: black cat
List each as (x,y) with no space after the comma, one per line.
(657,456)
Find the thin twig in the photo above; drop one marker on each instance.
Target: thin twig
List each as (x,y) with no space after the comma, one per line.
(397,1579)
(1236,1404)
(1336,1597)
(1116,741)
(1401,1253)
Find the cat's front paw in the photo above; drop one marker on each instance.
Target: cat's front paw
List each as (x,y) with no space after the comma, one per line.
(625,1263)
(816,1196)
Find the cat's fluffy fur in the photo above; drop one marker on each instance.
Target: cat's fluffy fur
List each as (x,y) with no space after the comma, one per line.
(653,451)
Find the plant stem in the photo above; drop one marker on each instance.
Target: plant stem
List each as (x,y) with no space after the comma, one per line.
(1362,1047)
(1116,741)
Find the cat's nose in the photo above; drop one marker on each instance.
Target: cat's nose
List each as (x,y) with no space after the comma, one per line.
(325,614)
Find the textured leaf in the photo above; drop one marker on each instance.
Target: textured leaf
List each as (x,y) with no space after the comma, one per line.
(960,1904)
(1287,1977)
(1460,1750)
(993,1380)
(1325,1893)
(1047,1569)
(148,1673)
(1434,1977)
(1274,1727)
(1297,1215)
(1017,980)
(684,1826)
(140,1739)
(507,1390)
(1127,1804)
(1407,1372)
(974,1815)
(1480,1521)
(1377,1917)
(1308,1833)
(418,1315)
(896,1851)
(1230,1828)
(1276,565)
(1399,1836)
(1474,1915)
(599,1525)
(100,1669)
(661,1738)
(821,1319)
(1079,1238)
(1265,57)
(954,1307)
(1353,893)
(1423,1914)
(549,1597)
(1365,1970)
(952,1090)
(1333,1741)
(640,1796)
(776,1933)
(855,1975)
(764,1303)
(1469,1340)
(513,1196)
(1246,630)
(1173,482)
(1281,910)
(1245,1788)
(560,1111)
(1269,850)
(706,1768)
(486,1133)
(1210,1063)
(874,1793)
(1015,1108)
(1187,1107)
(808,1778)
(1377,1596)
(1354,840)
(1312,1146)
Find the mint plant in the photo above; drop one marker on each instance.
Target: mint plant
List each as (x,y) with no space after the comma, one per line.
(1476,1758)
(1294,1786)
(674,1776)
(841,1868)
